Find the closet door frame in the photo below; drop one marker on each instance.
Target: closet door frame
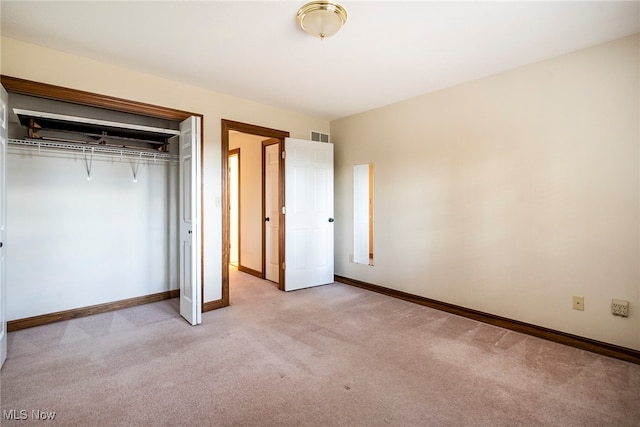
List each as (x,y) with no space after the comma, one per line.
(59,93)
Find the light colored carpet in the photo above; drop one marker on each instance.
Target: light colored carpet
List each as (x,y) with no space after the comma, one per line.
(328,356)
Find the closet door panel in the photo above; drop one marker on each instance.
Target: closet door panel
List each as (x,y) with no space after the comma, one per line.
(190,283)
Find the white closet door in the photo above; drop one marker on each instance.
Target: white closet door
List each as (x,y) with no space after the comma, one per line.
(190,233)
(309,214)
(4,98)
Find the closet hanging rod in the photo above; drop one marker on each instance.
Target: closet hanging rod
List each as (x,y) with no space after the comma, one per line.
(96,149)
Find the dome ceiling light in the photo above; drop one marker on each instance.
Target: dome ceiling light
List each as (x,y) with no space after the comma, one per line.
(322,18)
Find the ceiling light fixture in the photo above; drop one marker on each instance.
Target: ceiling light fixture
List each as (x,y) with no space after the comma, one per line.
(322,18)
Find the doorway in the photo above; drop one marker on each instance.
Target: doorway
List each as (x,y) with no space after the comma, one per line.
(228,127)
(234,207)
(249,231)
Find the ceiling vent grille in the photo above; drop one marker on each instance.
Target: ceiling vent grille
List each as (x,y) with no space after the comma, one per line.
(319,136)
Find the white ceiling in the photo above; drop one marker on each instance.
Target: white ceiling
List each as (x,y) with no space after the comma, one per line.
(388,50)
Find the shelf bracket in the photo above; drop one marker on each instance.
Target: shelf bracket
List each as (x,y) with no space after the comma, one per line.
(135,166)
(88,162)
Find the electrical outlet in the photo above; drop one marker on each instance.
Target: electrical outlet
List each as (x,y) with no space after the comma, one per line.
(620,307)
(578,303)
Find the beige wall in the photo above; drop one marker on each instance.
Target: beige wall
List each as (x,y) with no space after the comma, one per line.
(509,194)
(251,216)
(44,65)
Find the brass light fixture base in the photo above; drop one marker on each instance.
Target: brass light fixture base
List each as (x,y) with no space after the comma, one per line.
(322,18)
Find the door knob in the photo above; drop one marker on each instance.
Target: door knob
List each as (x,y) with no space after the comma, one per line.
(267,219)
(331,219)
(189,231)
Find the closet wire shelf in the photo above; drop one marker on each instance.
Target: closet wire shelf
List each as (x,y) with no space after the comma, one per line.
(93,149)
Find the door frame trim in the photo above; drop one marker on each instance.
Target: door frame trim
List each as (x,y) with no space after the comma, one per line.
(75,96)
(59,93)
(226,127)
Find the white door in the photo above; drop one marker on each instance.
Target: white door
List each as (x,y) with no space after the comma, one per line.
(190,234)
(272,214)
(308,214)
(4,99)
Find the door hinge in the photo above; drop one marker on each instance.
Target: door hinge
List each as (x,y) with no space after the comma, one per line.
(284,154)
(284,210)
(283,265)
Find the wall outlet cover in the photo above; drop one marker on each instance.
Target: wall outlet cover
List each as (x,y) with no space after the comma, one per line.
(578,303)
(620,307)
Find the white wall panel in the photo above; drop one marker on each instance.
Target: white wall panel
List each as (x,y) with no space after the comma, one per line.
(74,242)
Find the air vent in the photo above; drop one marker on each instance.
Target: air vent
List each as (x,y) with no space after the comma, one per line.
(319,136)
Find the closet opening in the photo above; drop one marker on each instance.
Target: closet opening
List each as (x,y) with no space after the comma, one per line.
(93,204)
